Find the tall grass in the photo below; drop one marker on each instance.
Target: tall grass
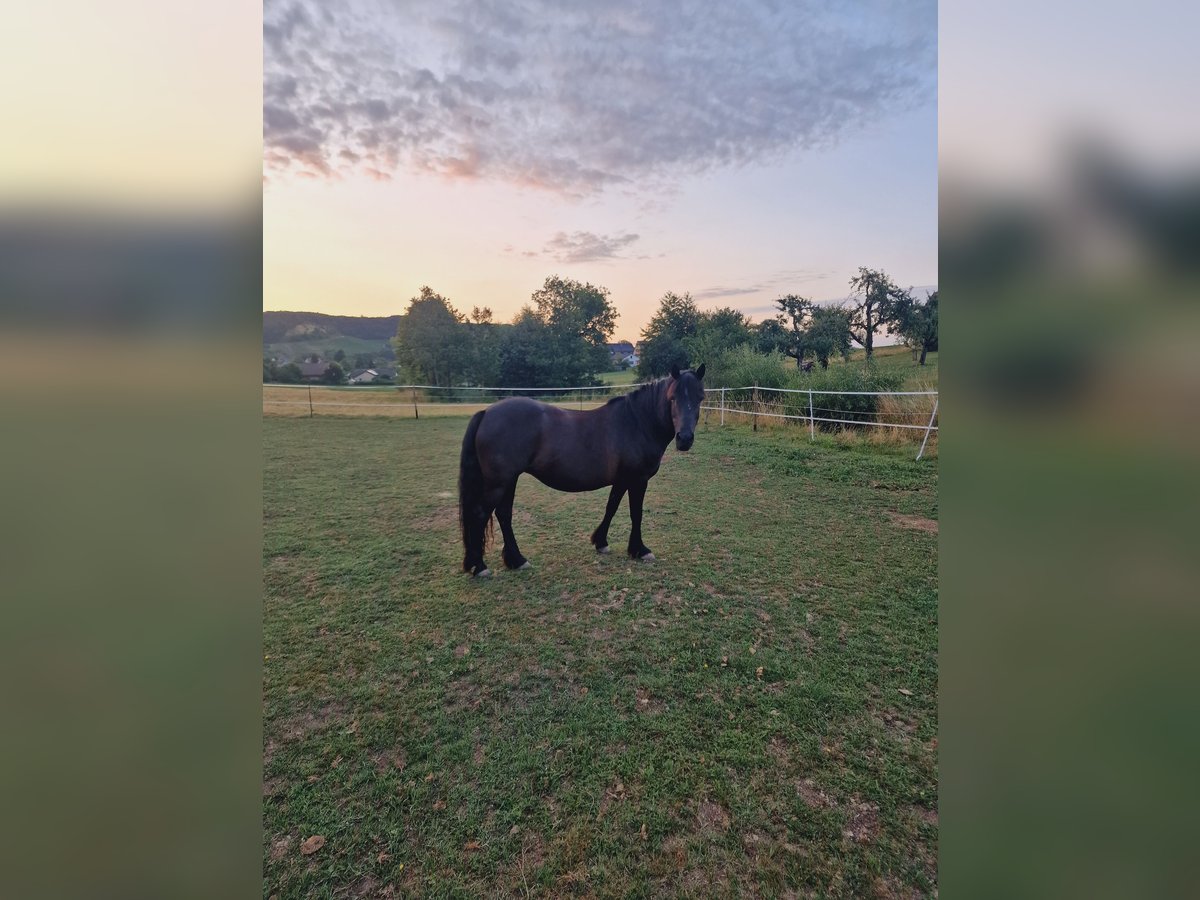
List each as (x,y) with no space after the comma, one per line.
(742,368)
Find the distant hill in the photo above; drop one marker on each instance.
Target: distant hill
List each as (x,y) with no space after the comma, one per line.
(294,335)
(283,327)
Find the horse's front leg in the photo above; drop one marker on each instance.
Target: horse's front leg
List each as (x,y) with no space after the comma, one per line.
(600,535)
(637,550)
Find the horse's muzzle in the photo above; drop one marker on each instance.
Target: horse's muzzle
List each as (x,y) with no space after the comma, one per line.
(684,441)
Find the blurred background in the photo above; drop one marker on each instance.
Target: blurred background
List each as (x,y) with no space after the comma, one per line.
(130,261)
(1070,245)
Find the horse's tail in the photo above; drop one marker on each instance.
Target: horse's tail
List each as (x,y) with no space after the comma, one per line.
(475,529)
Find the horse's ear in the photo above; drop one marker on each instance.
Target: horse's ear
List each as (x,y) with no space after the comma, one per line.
(700,372)
(675,372)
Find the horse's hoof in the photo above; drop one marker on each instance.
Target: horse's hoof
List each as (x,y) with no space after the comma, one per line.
(524,565)
(647,557)
(484,573)
(603,549)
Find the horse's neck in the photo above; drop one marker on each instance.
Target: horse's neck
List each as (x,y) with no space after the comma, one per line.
(654,414)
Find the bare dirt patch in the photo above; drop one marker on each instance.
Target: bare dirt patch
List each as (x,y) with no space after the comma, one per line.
(754,843)
(926,815)
(711,817)
(812,794)
(394,759)
(280,847)
(778,751)
(647,704)
(442,518)
(313,720)
(917,523)
(862,822)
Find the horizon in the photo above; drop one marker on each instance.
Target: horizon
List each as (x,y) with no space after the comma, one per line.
(479,151)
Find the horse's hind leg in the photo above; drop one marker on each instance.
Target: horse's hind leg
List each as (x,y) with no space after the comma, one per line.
(477,538)
(600,535)
(511,553)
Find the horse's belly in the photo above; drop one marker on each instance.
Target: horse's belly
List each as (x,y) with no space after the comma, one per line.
(564,478)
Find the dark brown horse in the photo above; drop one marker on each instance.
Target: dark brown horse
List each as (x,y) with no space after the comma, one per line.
(620,444)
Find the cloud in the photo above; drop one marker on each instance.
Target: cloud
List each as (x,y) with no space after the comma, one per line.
(584,246)
(787,281)
(581,98)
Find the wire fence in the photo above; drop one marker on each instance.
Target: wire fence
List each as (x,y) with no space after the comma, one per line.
(905,415)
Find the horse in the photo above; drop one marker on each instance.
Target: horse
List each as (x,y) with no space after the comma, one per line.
(619,445)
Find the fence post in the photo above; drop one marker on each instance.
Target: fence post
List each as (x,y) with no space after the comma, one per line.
(722,406)
(416,412)
(755,404)
(310,412)
(812,423)
(932,416)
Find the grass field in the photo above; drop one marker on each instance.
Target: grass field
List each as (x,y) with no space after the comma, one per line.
(754,714)
(629,376)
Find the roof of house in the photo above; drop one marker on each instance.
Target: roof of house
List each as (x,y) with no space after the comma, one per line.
(309,369)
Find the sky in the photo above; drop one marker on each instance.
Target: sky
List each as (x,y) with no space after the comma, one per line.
(735,151)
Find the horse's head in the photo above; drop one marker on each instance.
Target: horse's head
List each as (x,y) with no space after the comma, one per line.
(685,392)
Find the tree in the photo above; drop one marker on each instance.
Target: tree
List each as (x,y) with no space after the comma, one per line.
(793,317)
(717,331)
(525,358)
(828,334)
(289,374)
(333,374)
(484,340)
(285,374)
(339,356)
(874,305)
(581,320)
(919,324)
(663,339)
(430,341)
(770,336)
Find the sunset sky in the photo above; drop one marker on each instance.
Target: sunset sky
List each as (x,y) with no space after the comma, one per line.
(735,151)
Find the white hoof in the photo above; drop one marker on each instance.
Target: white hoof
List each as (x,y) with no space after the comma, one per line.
(649,557)
(524,565)
(604,549)
(484,573)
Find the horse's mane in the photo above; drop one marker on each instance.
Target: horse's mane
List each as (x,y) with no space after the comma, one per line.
(638,394)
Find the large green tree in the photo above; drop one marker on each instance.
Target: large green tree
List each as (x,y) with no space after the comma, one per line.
(581,320)
(663,342)
(793,317)
(874,305)
(717,332)
(525,356)
(828,334)
(430,341)
(919,323)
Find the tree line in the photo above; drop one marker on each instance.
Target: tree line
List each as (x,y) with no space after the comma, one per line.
(808,332)
(559,338)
